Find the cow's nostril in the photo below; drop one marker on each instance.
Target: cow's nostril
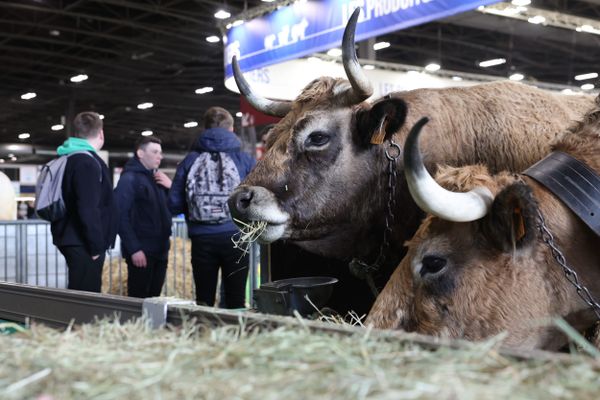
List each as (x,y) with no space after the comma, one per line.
(244,199)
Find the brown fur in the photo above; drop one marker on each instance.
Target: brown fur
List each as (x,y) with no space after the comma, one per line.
(495,290)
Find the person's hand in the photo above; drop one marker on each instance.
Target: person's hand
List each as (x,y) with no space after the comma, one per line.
(139,259)
(162,179)
(95,257)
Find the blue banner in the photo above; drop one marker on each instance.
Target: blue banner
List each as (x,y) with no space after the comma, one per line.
(307,27)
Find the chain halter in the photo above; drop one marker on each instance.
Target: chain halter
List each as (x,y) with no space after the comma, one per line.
(570,274)
(360,268)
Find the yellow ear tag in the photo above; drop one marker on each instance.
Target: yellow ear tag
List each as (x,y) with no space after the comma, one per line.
(379,135)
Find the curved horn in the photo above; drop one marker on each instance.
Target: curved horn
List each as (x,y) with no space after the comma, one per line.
(274,108)
(361,86)
(434,199)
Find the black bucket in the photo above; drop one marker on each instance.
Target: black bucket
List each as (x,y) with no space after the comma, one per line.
(284,296)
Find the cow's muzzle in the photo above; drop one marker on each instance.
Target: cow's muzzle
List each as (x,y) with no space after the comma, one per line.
(256,203)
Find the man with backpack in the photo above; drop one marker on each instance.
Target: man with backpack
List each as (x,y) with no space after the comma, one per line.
(200,189)
(89,224)
(145,219)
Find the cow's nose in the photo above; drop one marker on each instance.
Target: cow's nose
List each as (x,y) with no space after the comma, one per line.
(240,200)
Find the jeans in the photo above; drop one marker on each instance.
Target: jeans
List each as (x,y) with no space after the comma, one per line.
(148,281)
(84,273)
(209,253)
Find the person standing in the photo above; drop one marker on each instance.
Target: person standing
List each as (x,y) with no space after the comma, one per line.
(202,184)
(144,219)
(89,227)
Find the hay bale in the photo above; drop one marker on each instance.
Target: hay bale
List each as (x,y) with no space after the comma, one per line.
(115,361)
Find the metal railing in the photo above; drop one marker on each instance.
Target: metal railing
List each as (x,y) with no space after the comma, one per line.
(28,256)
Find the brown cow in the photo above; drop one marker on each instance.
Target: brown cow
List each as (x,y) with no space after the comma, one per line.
(323,185)
(492,272)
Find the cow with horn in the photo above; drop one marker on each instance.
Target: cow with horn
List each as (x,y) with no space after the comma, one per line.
(502,253)
(331,179)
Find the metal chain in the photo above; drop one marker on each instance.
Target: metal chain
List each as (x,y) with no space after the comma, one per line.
(360,268)
(570,274)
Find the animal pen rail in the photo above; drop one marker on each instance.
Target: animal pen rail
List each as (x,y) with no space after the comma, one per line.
(28,256)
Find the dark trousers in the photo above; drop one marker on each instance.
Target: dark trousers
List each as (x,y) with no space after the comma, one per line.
(209,253)
(148,281)
(84,273)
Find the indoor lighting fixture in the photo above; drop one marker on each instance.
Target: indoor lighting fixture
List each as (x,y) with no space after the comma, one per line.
(432,67)
(145,106)
(492,62)
(1,160)
(334,52)
(516,77)
(13,158)
(381,45)
(190,124)
(57,127)
(101,116)
(587,86)
(368,67)
(237,22)
(457,78)
(222,14)
(585,77)
(521,2)
(238,114)
(54,32)
(206,89)
(24,136)
(588,29)
(79,78)
(28,96)
(538,19)
(147,133)
(212,39)
(314,60)
(567,91)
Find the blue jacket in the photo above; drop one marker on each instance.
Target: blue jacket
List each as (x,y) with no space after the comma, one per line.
(144,217)
(212,140)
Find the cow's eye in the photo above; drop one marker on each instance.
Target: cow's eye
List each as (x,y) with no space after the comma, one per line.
(432,265)
(316,139)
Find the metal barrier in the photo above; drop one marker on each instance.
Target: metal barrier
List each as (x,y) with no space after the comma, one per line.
(28,256)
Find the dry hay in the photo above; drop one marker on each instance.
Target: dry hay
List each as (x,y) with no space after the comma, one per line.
(114,274)
(115,361)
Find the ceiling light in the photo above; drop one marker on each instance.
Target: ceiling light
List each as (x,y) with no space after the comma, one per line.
(457,78)
(24,136)
(538,19)
(432,67)
(28,96)
(588,29)
(381,45)
(268,1)
(521,2)
(54,32)
(190,124)
(492,62)
(413,72)
(369,67)
(334,52)
(10,155)
(587,86)
(584,77)
(222,14)
(212,39)
(238,114)
(101,116)
(147,133)
(516,77)
(57,127)
(237,22)
(206,89)
(13,158)
(145,106)
(567,91)
(314,60)
(79,78)
(1,160)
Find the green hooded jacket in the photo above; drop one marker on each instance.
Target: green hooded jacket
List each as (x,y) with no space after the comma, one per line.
(74,144)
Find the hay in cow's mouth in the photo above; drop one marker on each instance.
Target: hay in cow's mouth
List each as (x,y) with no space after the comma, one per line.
(249,232)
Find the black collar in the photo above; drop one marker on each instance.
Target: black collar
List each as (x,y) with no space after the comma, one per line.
(573,182)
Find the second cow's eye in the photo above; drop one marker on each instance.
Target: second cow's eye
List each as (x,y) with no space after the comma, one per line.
(317,139)
(432,265)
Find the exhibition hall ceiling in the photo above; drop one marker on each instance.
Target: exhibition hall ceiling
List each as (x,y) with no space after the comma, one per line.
(156,51)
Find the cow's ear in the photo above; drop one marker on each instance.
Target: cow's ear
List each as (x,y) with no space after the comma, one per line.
(381,121)
(511,222)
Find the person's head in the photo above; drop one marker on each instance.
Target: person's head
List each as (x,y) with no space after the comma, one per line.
(88,125)
(149,151)
(218,117)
